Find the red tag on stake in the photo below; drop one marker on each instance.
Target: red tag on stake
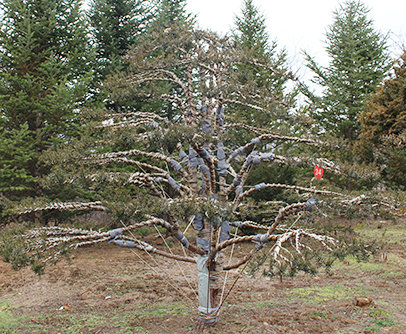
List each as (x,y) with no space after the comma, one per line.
(318,172)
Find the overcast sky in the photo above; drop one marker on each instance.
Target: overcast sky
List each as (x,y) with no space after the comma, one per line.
(300,24)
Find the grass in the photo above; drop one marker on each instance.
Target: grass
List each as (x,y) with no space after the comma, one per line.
(318,294)
(162,309)
(391,234)
(7,321)
(119,320)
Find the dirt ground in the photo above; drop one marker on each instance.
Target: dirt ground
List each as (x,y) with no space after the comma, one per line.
(106,289)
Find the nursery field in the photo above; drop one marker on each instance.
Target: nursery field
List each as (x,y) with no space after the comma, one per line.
(105,289)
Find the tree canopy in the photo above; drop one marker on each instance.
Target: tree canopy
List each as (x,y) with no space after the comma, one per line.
(359,60)
(44,61)
(383,124)
(116,25)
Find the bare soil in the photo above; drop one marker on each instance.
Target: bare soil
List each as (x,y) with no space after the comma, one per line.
(106,289)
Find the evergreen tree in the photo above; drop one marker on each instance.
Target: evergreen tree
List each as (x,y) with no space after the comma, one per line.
(250,31)
(44,59)
(383,125)
(116,25)
(170,16)
(251,38)
(15,155)
(172,12)
(182,171)
(359,61)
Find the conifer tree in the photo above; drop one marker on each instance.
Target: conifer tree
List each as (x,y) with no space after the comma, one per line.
(383,125)
(185,170)
(250,31)
(116,26)
(15,155)
(250,34)
(173,12)
(358,62)
(44,57)
(169,16)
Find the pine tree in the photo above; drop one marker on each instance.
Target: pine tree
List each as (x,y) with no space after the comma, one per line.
(359,61)
(251,38)
(383,125)
(184,171)
(15,155)
(250,31)
(44,59)
(173,12)
(116,26)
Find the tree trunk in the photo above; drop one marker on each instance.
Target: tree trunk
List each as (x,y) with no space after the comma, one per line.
(208,280)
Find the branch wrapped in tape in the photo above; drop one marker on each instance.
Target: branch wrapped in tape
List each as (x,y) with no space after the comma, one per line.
(114,234)
(255,141)
(206,126)
(220,112)
(225,231)
(203,244)
(260,186)
(255,158)
(237,151)
(237,180)
(310,204)
(203,153)
(267,157)
(204,169)
(220,152)
(248,160)
(154,124)
(222,167)
(173,184)
(176,165)
(181,237)
(200,161)
(124,243)
(192,158)
(261,238)
(182,155)
(220,116)
(238,224)
(198,222)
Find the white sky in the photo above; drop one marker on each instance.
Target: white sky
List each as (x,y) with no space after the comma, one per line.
(301,24)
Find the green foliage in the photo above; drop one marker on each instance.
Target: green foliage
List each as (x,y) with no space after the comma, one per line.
(15,155)
(173,12)
(263,70)
(15,250)
(383,123)
(116,26)
(359,61)
(44,60)
(312,260)
(251,31)
(274,173)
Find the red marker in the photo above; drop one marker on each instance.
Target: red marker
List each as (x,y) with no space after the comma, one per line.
(318,172)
